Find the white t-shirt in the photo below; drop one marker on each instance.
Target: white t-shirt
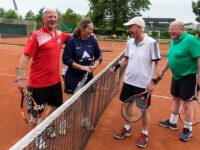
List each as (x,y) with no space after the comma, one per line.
(141,59)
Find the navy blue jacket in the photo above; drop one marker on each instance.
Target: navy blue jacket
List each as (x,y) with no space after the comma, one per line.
(82,52)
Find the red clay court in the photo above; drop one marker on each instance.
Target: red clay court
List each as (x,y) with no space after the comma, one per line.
(12,126)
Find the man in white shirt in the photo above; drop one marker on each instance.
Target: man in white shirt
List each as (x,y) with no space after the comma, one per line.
(141,57)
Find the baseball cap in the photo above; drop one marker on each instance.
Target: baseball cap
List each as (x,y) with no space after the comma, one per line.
(47,10)
(136,20)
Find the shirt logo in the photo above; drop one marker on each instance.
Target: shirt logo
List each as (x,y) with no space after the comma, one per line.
(85,55)
(59,41)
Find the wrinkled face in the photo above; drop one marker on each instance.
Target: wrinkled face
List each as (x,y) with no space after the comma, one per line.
(134,30)
(50,20)
(86,32)
(175,31)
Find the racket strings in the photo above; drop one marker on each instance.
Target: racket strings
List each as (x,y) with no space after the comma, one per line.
(194,115)
(130,111)
(30,108)
(141,102)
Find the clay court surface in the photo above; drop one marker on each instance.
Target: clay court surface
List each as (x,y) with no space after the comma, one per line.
(12,127)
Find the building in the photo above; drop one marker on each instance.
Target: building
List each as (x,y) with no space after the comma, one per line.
(193,27)
(158,24)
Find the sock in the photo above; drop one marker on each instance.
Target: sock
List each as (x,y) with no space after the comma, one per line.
(173,119)
(145,132)
(127,127)
(187,124)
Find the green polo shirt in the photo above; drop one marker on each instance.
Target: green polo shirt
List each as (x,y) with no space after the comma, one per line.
(183,55)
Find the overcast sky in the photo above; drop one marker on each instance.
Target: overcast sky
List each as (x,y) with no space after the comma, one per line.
(179,9)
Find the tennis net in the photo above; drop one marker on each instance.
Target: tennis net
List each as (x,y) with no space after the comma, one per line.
(70,126)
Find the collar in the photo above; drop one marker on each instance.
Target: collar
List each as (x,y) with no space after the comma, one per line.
(143,40)
(181,38)
(46,30)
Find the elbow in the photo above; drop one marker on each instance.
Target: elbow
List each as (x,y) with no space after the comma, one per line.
(67,62)
(100,59)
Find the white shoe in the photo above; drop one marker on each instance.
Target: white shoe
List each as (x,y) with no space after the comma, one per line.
(40,143)
(32,121)
(85,123)
(50,133)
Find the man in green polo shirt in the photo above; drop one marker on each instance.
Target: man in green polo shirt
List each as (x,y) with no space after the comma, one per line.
(184,63)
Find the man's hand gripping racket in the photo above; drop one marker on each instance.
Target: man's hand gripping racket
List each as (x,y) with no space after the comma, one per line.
(28,106)
(134,107)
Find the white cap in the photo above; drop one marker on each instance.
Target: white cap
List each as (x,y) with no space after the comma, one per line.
(47,10)
(137,21)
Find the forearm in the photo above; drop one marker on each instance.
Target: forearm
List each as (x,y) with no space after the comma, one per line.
(85,68)
(23,66)
(156,70)
(165,67)
(123,62)
(96,63)
(77,66)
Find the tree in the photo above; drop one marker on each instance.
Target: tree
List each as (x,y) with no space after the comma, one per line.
(2,12)
(70,17)
(196,9)
(30,16)
(113,13)
(39,15)
(11,14)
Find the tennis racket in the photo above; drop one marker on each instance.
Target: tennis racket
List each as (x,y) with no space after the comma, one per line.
(29,108)
(83,81)
(134,107)
(195,112)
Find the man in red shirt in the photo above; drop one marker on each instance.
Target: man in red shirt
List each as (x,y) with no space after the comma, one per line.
(44,46)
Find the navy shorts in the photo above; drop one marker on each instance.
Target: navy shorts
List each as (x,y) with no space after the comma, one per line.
(129,90)
(185,87)
(71,82)
(51,95)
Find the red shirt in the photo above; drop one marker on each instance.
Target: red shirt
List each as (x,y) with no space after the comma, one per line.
(45,52)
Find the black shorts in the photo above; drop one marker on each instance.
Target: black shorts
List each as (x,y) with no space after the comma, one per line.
(184,87)
(52,95)
(71,82)
(129,90)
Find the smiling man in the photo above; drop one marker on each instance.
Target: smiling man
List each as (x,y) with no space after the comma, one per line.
(44,47)
(141,57)
(184,63)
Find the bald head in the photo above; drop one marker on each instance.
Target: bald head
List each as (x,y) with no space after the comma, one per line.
(177,24)
(176,29)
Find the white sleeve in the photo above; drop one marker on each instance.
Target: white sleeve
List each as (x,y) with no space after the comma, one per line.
(155,51)
(127,50)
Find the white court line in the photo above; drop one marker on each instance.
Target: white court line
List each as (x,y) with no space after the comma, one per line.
(10,55)
(106,58)
(165,97)
(159,96)
(12,45)
(10,75)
